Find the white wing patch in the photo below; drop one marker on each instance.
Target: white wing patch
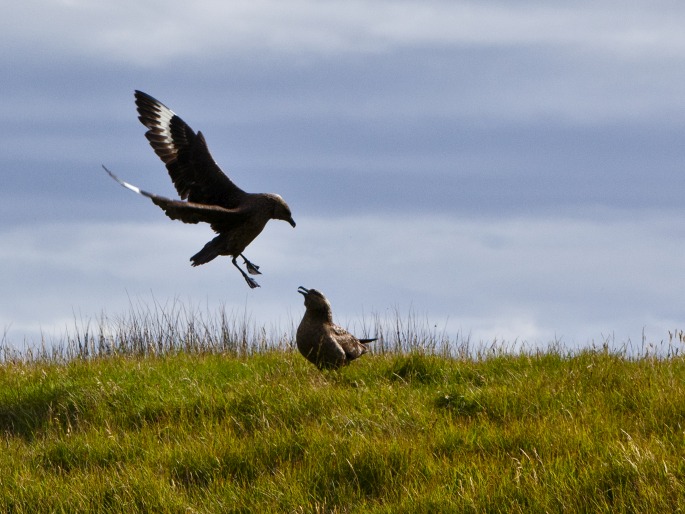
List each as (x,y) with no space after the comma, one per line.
(125,184)
(163,123)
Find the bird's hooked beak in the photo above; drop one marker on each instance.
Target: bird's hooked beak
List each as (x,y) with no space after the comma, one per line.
(292,222)
(303,291)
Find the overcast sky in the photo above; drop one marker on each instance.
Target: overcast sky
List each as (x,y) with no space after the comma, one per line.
(503,170)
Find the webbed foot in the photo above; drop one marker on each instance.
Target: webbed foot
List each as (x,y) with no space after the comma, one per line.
(252,269)
(251,282)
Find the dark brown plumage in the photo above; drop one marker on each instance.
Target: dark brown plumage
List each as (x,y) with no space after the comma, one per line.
(321,341)
(207,194)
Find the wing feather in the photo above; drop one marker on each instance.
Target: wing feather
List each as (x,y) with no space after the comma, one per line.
(196,176)
(352,347)
(220,218)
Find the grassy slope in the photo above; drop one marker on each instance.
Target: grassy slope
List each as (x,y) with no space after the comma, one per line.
(269,433)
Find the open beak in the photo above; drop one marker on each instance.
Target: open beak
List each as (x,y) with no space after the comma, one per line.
(303,291)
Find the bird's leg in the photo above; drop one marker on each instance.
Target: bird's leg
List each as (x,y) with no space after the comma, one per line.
(252,269)
(250,281)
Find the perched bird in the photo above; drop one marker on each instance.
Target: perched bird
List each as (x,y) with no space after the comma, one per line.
(321,341)
(207,194)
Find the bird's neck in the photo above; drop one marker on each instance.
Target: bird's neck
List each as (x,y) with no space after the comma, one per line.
(320,315)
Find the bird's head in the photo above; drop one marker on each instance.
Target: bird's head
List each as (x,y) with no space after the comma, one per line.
(315,301)
(281,210)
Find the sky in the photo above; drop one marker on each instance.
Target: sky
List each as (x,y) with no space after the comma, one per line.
(505,171)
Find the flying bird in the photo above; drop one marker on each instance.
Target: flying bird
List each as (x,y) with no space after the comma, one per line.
(207,194)
(321,341)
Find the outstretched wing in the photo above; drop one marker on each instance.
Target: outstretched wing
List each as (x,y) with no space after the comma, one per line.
(220,218)
(191,167)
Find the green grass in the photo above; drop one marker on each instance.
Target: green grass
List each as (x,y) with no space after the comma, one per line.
(592,431)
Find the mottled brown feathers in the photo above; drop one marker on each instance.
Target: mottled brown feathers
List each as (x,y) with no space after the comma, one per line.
(321,341)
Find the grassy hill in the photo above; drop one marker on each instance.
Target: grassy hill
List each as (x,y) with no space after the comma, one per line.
(394,432)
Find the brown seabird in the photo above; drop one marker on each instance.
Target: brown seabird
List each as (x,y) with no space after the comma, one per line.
(321,341)
(207,194)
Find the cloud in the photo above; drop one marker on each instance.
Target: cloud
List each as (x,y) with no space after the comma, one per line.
(153,32)
(281,66)
(526,279)
(509,169)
